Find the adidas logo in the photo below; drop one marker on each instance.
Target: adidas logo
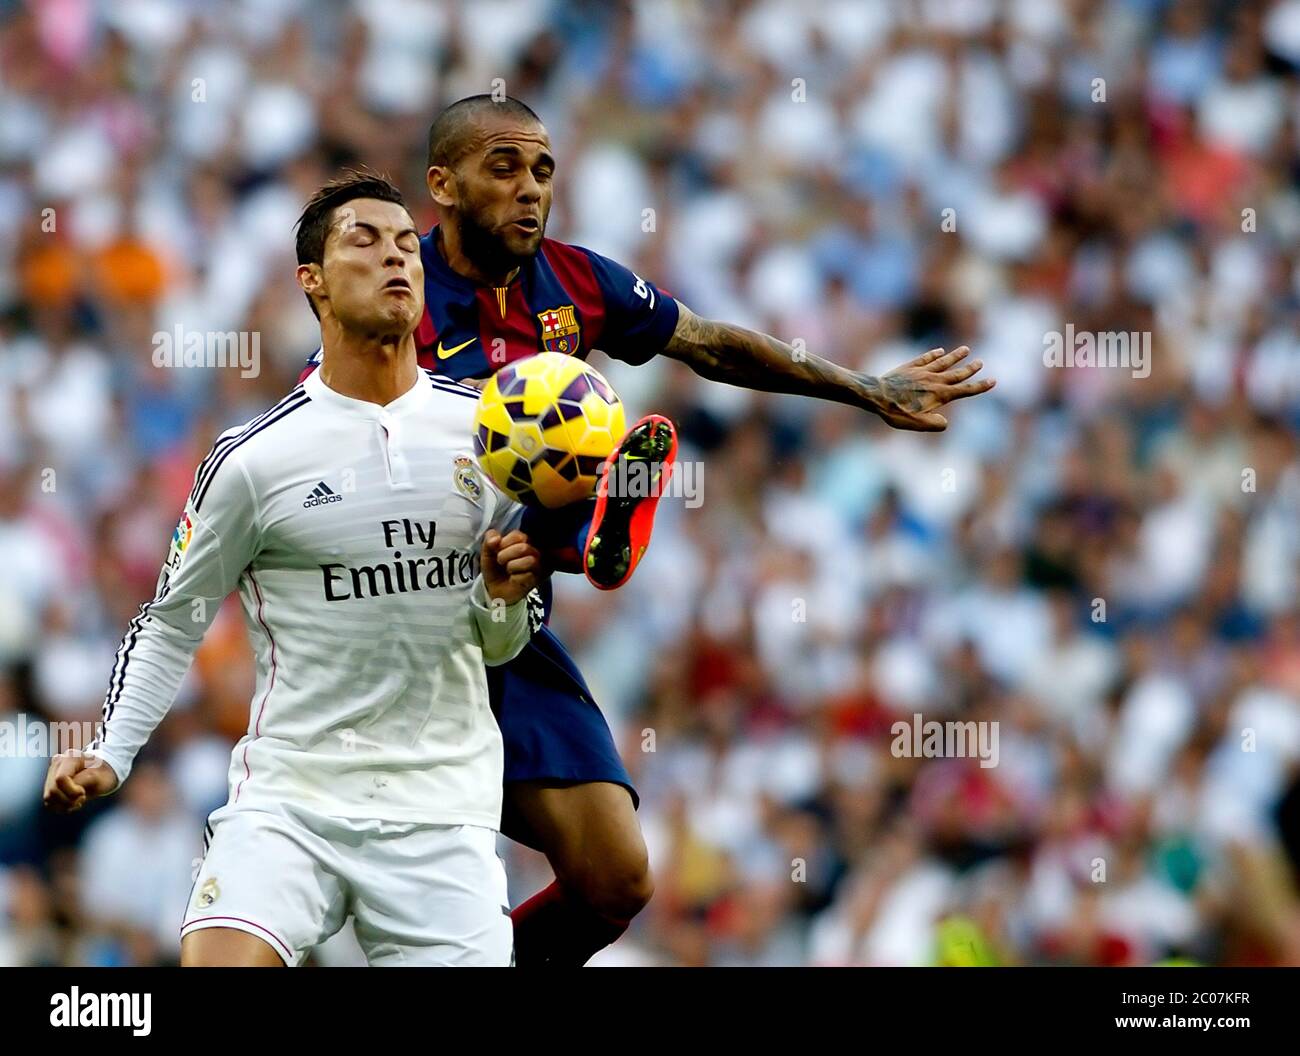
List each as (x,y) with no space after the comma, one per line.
(320,495)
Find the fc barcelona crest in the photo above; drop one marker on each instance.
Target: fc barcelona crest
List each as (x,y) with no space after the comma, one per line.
(559,329)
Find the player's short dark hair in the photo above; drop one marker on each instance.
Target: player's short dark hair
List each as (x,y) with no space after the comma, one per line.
(450,132)
(314,224)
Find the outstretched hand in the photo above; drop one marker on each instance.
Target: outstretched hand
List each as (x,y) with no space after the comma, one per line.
(909,397)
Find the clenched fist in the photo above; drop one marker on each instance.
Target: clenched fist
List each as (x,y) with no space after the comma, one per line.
(510,564)
(74,779)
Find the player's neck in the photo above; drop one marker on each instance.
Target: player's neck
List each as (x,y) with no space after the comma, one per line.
(447,243)
(374,369)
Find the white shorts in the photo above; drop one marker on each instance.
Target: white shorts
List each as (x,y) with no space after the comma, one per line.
(419,894)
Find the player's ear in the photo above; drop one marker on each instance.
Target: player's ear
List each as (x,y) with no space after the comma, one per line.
(441,182)
(310,277)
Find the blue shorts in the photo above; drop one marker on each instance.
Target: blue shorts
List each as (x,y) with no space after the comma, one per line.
(551,726)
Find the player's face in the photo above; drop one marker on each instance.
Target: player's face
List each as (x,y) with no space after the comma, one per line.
(372,273)
(500,192)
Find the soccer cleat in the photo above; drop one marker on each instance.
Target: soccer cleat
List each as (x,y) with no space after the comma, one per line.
(622,523)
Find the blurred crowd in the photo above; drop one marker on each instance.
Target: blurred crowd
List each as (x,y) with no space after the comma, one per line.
(1101,560)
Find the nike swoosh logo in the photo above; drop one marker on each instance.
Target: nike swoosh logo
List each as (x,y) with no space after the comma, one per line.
(447,353)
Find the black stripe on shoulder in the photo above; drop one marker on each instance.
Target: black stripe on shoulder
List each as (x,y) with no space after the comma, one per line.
(246,435)
(455,388)
(226,441)
(442,379)
(293,393)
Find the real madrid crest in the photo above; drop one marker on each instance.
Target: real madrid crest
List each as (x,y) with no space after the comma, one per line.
(466,476)
(208,893)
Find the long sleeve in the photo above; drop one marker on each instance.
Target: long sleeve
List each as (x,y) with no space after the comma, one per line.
(503,630)
(212,545)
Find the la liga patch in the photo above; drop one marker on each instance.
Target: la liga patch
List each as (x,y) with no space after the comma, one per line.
(180,542)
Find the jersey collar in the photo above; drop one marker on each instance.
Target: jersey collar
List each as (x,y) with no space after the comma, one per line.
(411,400)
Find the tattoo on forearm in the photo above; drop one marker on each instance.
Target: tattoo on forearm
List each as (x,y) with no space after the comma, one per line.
(733,354)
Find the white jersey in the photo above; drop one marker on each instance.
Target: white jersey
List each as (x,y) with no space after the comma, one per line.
(352,532)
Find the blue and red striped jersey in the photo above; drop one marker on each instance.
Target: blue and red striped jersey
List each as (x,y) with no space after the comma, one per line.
(565,299)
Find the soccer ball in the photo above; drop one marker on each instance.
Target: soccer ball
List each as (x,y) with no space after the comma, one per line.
(544,426)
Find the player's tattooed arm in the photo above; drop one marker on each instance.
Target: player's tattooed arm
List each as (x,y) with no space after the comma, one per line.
(908,397)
